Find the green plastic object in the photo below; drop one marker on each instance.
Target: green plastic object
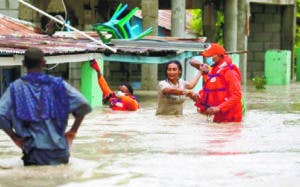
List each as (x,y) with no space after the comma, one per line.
(121,24)
(118,11)
(120,28)
(144,33)
(297,64)
(244,106)
(278,67)
(108,29)
(89,84)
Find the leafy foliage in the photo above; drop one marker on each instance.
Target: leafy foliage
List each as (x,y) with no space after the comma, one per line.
(196,24)
(297,42)
(196,21)
(220,26)
(259,82)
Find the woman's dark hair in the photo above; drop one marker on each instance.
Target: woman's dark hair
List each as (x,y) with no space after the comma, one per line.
(129,87)
(33,57)
(173,62)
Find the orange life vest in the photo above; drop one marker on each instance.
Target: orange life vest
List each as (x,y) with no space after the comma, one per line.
(126,103)
(215,91)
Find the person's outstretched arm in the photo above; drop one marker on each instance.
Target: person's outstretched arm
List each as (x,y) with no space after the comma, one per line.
(101,80)
(166,89)
(203,68)
(173,91)
(192,83)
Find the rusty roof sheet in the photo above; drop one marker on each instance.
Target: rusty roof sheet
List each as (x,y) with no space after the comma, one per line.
(10,45)
(16,36)
(12,26)
(50,45)
(73,43)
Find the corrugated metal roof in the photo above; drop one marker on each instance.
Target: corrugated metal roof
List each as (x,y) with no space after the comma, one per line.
(16,37)
(50,45)
(63,45)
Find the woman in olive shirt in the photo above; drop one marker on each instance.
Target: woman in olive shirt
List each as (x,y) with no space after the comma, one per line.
(173,90)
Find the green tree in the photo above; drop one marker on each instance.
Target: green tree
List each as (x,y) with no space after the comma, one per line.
(196,21)
(297,42)
(196,24)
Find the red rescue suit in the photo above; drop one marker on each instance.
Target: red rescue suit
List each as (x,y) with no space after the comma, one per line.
(222,89)
(127,102)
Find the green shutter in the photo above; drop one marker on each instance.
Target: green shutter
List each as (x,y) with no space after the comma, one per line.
(89,84)
(298,64)
(278,67)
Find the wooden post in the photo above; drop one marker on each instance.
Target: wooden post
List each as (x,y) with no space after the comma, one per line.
(150,19)
(209,18)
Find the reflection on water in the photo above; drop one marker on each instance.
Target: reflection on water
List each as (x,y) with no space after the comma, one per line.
(141,149)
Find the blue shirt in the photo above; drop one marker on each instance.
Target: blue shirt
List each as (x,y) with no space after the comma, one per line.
(42,134)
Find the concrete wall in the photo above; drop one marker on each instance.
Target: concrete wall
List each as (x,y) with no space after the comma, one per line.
(80,13)
(265,32)
(9,8)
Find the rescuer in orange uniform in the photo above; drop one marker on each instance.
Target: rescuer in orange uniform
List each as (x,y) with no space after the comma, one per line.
(123,99)
(221,93)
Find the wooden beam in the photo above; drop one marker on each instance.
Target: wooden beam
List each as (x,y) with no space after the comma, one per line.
(16,60)
(147,59)
(180,46)
(163,4)
(274,2)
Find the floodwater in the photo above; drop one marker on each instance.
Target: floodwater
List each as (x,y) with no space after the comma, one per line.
(141,149)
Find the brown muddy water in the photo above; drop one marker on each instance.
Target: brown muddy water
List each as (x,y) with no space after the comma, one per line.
(141,149)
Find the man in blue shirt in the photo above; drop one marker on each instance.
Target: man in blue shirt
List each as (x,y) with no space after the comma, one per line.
(34,113)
